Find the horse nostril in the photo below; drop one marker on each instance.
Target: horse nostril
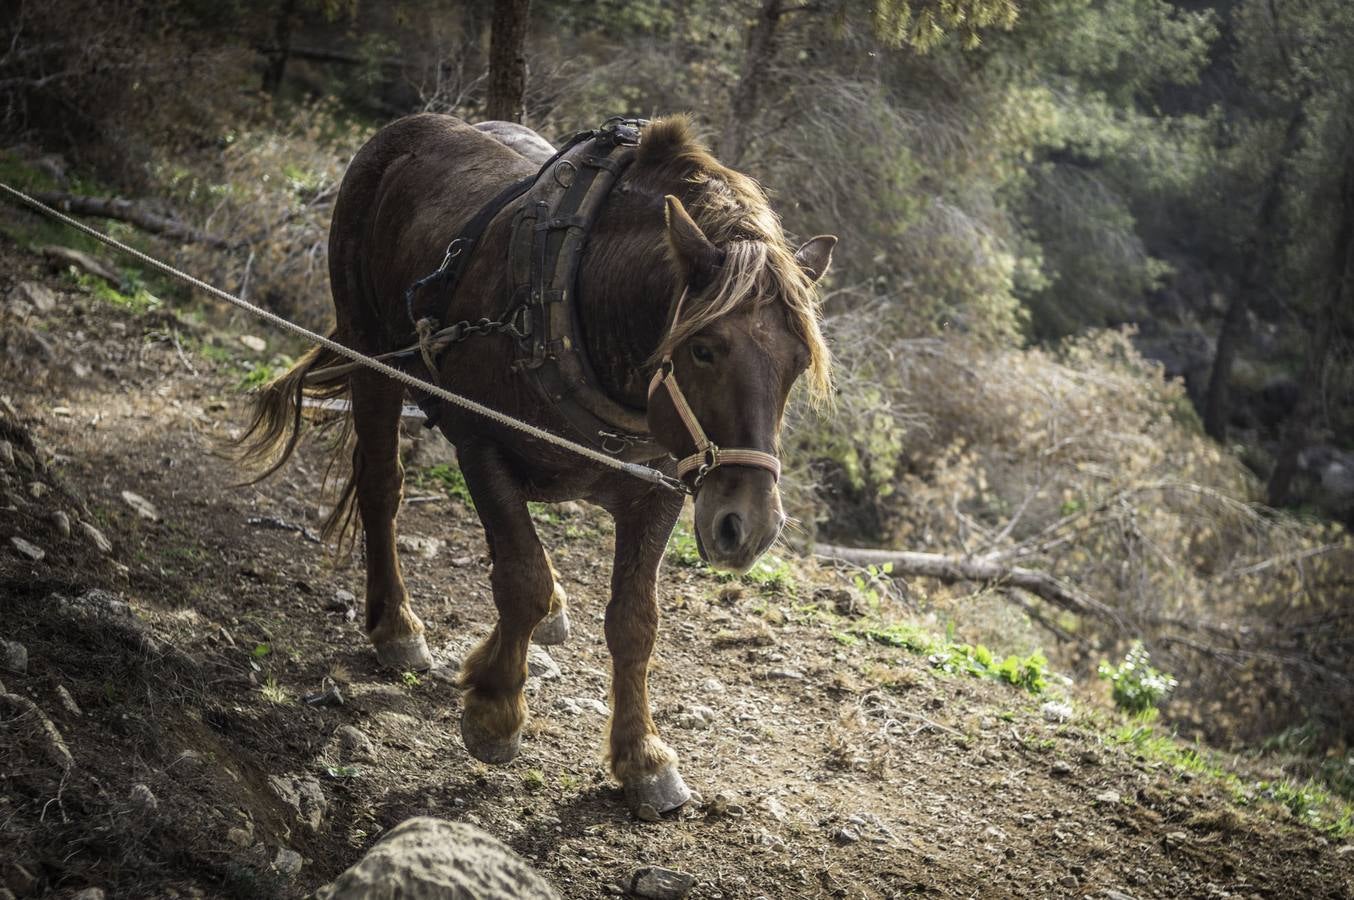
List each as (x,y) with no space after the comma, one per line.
(729,533)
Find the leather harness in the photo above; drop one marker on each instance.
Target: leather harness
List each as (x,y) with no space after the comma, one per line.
(549,235)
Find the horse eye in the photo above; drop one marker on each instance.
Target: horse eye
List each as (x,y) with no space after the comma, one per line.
(702,354)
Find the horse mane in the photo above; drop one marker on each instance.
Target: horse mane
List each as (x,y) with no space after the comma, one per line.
(733,211)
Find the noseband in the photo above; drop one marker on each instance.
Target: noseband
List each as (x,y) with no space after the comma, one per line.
(708,455)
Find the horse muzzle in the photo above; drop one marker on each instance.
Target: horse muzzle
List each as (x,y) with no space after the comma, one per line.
(738,517)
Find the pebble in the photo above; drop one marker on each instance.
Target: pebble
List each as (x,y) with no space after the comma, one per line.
(785,674)
(1110,797)
(846,835)
(1053,711)
(541,664)
(95,537)
(253,342)
(68,701)
(770,841)
(62,523)
(31,551)
(574,706)
(1068,881)
(36,295)
(13,657)
(342,601)
(712,686)
(426,547)
(696,717)
(240,837)
(1061,768)
(658,883)
(773,808)
(143,799)
(288,862)
(354,744)
(570,509)
(143,507)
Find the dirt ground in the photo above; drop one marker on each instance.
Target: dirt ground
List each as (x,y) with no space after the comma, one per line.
(174,668)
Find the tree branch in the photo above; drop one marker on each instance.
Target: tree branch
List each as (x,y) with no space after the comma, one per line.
(126,211)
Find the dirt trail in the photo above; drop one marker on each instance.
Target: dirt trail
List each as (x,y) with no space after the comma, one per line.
(828,770)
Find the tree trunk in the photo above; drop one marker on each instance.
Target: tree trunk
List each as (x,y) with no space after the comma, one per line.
(508,61)
(1258,252)
(126,211)
(1339,294)
(277,61)
(747,93)
(979,569)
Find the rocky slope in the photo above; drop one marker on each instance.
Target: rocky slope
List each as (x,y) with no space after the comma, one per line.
(189,708)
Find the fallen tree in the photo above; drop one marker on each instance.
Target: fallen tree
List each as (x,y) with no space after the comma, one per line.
(980,569)
(122,210)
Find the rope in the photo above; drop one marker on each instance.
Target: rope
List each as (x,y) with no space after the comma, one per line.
(644,473)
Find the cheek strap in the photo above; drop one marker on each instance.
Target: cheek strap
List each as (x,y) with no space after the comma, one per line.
(708,454)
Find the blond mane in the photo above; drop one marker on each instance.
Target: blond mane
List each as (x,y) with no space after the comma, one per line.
(735,215)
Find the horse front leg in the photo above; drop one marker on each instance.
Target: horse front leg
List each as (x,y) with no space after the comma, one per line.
(494,673)
(640,760)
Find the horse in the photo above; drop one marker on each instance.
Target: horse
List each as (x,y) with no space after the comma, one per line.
(685,277)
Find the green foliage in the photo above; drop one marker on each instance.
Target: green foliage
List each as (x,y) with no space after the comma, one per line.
(1136,685)
(770,573)
(410,679)
(449,479)
(1027,672)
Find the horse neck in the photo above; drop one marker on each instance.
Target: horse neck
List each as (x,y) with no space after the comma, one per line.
(625,291)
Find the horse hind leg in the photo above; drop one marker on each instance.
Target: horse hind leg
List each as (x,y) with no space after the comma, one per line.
(394,630)
(494,709)
(554,628)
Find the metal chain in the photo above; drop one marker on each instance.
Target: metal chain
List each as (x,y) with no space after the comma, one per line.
(644,473)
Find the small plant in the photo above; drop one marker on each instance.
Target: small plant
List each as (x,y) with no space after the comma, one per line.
(273,692)
(1135,684)
(533,779)
(449,479)
(262,650)
(410,679)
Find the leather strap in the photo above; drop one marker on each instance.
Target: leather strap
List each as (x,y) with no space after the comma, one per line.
(708,454)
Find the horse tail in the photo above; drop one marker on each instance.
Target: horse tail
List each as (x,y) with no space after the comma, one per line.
(275,426)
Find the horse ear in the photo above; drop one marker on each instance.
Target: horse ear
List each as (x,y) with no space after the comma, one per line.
(695,254)
(816,255)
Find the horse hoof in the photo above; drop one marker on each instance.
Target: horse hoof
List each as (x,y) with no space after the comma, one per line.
(405,654)
(661,792)
(489,748)
(552,630)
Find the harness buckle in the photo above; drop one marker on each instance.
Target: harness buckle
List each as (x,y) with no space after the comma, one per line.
(711,461)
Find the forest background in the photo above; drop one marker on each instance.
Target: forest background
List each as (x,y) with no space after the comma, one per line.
(1091,309)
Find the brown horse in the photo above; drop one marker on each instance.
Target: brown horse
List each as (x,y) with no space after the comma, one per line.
(676,224)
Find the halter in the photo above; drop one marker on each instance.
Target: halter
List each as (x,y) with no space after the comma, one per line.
(708,455)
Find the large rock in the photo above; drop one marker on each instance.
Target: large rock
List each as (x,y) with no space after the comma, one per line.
(432,859)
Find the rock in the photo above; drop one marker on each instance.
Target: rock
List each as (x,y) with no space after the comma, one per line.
(541,664)
(1109,797)
(68,701)
(426,547)
(658,883)
(288,862)
(770,841)
(304,795)
(1061,768)
(1116,895)
(432,859)
(35,295)
(785,674)
(773,808)
(253,342)
(241,837)
(7,454)
(1053,711)
(570,509)
(62,523)
(354,744)
(91,893)
(26,549)
(95,537)
(574,706)
(38,728)
(846,835)
(712,686)
(342,601)
(143,799)
(143,507)
(696,716)
(13,657)
(37,490)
